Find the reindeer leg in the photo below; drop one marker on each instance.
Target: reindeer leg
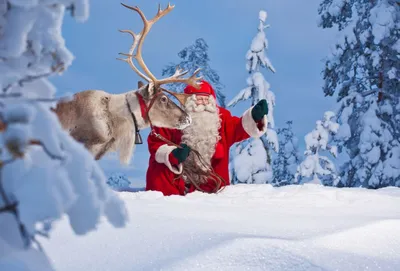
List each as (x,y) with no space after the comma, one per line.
(105,148)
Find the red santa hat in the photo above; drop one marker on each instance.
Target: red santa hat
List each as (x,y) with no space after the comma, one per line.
(205,89)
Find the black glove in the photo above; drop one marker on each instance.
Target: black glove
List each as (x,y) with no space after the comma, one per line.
(259,110)
(181,153)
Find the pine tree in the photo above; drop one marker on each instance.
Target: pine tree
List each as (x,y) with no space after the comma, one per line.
(255,153)
(288,158)
(319,167)
(193,57)
(364,71)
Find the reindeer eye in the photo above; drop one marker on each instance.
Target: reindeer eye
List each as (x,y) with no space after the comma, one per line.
(164,99)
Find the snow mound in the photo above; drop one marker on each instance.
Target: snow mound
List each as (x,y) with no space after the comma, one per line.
(245,227)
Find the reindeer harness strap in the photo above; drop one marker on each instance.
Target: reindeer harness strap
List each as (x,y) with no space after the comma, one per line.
(145,114)
(138,137)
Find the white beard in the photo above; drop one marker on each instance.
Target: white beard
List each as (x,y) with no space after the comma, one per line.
(202,135)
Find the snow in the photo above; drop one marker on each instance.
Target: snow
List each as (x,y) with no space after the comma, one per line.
(336,7)
(392,73)
(273,139)
(314,164)
(382,19)
(391,165)
(243,95)
(250,161)
(32,44)
(396,46)
(262,15)
(245,227)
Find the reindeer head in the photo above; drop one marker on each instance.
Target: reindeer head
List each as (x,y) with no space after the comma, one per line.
(162,111)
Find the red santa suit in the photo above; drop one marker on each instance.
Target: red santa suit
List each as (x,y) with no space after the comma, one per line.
(164,171)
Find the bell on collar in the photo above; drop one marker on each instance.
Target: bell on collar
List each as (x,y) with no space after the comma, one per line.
(138,139)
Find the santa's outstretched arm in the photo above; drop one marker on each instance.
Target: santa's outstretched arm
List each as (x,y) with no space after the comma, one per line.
(253,123)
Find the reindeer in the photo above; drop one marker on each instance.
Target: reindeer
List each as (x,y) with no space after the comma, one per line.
(106,122)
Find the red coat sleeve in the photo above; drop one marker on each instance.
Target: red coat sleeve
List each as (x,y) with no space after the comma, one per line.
(160,151)
(234,131)
(241,128)
(154,142)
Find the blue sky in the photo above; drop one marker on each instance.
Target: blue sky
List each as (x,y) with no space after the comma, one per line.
(296,49)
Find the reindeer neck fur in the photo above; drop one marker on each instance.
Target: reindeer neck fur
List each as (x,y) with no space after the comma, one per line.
(131,99)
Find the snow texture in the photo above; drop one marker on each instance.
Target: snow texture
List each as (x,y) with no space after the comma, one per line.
(293,228)
(252,170)
(262,15)
(45,175)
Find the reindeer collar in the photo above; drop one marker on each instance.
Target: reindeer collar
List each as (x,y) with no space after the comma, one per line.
(138,137)
(143,106)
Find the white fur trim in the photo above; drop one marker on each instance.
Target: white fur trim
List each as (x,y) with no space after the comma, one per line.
(162,155)
(250,126)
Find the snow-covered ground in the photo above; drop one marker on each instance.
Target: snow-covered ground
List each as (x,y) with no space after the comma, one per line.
(245,227)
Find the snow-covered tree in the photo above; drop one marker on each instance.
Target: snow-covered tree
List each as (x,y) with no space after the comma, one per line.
(319,167)
(118,181)
(44,173)
(258,88)
(193,57)
(249,163)
(285,164)
(364,71)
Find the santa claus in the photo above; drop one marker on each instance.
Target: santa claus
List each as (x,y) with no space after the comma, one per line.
(201,160)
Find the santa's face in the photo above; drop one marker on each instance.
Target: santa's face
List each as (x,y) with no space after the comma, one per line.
(202,99)
(200,103)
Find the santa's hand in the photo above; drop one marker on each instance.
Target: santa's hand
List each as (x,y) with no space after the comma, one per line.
(181,153)
(259,110)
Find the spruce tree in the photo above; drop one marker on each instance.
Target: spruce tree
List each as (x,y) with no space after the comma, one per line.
(363,71)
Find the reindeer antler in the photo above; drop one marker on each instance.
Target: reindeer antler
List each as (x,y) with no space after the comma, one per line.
(175,78)
(138,42)
(130,55)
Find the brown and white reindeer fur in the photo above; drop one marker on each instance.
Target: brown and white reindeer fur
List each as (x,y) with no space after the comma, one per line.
(103,122)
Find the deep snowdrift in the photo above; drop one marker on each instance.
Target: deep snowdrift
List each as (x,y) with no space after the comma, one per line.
(245,227)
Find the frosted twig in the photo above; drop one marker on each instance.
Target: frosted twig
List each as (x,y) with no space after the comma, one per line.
(10,95)
(46,150)
(27,80)
(18,94)
(12,207)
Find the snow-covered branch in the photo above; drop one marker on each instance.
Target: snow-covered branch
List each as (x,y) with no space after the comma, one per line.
(44,174)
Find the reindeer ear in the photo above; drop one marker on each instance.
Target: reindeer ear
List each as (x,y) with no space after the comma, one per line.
(140,84)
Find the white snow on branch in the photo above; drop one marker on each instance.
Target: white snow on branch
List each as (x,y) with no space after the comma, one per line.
(45,174)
